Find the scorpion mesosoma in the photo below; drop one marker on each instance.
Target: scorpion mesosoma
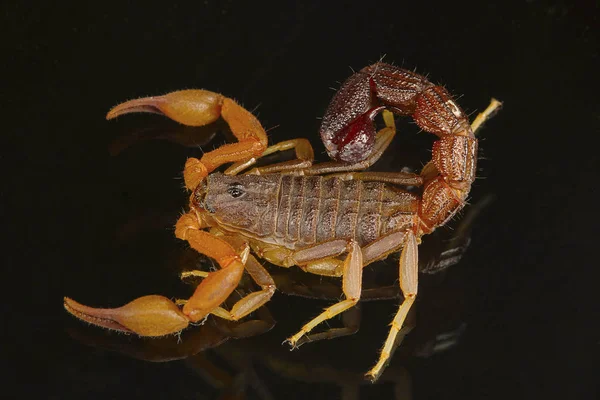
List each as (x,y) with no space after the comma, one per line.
(328,219)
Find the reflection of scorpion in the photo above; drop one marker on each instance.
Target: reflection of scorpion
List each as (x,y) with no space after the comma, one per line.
(326,218)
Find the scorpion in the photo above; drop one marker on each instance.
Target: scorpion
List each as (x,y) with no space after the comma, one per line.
(329,218)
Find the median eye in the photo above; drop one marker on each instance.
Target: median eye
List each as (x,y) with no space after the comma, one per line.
(236,190)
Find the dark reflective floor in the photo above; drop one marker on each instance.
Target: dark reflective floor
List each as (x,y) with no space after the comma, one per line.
(89,205)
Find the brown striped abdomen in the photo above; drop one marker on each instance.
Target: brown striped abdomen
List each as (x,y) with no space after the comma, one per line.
(315,209)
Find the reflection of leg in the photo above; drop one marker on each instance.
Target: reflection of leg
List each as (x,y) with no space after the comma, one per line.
(314,287)
(296,283)
(380,293)
(262,321)
(350,320)
(352,283)
(402,385)
(463,229)
(450,245)
(409,273)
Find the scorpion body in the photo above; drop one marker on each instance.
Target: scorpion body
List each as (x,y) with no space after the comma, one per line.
(298,212)
(329,219)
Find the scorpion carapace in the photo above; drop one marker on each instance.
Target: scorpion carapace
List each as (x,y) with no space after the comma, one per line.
(295,213)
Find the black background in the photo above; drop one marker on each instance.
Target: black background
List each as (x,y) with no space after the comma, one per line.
(73,210)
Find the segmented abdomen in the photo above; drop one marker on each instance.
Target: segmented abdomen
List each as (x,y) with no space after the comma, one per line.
(316,209)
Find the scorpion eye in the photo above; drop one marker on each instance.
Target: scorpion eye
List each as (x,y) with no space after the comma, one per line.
(236,190)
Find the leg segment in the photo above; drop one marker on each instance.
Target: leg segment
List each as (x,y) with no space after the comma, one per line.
(218,285)
(304,159)
(486,114)
(351,286)
(394,178)
(350,320)
(328,267)
(254,300)
(409,273)
(305,156)
(318,256)
(259,274)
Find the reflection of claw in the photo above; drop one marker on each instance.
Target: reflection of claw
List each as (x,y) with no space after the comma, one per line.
(176,347)
(182,135)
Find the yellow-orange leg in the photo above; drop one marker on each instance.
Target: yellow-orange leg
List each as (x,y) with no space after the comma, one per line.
(409,275)
(254,300)
(304,159)
(351,286)
(200,107)
(486,114)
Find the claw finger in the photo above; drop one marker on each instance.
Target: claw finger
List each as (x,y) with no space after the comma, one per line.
(189,107)
(147,316)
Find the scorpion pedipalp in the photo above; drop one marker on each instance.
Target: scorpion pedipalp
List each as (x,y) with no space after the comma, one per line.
(151,315)
(197,107)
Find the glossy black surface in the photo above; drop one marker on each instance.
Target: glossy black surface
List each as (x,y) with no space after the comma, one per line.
(89,215)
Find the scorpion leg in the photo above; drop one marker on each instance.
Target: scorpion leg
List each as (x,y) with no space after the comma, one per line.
(193,273)
(198,108)
(259,274)
(351,286)
(486,114)
(409,274)
(351,324)
(347,171)
(304,159)
(327,267)
(394,178)
(254,300)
